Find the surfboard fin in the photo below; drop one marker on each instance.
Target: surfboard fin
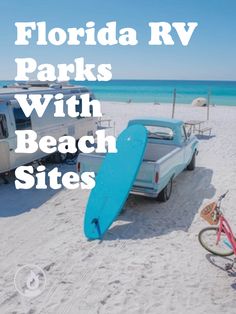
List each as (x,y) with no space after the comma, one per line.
(96,222)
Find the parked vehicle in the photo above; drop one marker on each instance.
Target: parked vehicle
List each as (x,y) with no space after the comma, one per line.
(169,151)
(12,118)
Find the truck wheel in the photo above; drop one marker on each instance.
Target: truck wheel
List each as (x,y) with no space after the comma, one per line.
(165,194)
(192,164)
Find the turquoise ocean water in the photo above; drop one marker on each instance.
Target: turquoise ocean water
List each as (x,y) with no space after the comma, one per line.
(222,92)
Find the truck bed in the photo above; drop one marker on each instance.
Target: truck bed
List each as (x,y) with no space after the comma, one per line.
(155,152)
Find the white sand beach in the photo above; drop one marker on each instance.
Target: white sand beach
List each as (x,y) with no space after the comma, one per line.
(150,261)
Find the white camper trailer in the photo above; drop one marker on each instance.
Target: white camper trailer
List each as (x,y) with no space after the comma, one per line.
(12,118)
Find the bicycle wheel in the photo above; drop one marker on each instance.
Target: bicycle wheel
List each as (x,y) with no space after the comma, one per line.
(207,238)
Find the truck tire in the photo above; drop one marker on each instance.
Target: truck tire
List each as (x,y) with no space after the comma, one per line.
(165,194)
(192,164)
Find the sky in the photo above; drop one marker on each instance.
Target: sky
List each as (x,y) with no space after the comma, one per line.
(210,54)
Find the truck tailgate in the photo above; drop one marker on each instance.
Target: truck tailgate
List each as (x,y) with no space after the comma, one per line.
(153,176)
(146,175)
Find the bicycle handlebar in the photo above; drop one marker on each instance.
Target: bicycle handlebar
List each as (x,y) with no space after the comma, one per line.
(223,195)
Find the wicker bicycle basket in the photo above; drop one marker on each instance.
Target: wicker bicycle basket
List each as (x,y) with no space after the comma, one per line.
(209,214)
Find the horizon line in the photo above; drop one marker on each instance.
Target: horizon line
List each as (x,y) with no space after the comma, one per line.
(139,79)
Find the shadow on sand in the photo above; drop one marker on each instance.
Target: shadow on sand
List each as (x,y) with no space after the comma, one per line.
(220,263)
(146,218)
(204,136)
(15,202)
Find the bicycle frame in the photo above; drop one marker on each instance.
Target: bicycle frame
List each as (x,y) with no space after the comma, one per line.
(225,227)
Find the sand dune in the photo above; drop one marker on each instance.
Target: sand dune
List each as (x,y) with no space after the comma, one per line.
(150,261)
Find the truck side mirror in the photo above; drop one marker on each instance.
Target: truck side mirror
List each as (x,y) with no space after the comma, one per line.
(189,133)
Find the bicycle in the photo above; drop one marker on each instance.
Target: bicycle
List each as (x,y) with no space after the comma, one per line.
(218,240)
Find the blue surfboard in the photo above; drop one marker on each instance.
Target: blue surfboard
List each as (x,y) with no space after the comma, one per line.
(114,181)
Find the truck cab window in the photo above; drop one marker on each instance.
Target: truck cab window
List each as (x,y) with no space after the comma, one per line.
(22,122)
(3,127)
(159,132)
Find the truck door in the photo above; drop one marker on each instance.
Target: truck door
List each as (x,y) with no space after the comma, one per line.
(4,146)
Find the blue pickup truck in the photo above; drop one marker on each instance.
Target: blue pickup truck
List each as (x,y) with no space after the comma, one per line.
(170,150)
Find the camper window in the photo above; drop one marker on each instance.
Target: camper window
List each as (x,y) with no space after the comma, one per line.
(3,127)
(22,122)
